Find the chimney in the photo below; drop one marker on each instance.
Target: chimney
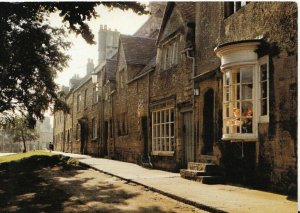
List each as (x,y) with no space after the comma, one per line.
(89,67)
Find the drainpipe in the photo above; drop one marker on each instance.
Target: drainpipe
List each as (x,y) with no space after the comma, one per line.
(193,95)
(148,120)
(112,120)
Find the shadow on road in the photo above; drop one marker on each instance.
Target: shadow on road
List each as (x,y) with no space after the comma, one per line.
(47,184)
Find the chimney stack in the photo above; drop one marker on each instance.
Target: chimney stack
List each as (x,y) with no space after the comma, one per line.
(89,66)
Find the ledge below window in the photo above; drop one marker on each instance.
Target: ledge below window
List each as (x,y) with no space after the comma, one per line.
(163,153)
(239,138)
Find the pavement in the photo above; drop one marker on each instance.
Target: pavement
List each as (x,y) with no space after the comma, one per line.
(4,154)
(212,198)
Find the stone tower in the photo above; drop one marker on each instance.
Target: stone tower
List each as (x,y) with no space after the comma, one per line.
(108,43)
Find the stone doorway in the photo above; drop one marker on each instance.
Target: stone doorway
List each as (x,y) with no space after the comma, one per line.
(105,141)
(145,135)
(208,123)
(83,135)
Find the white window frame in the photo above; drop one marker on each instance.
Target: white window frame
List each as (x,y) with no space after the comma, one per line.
(264,118)
(169,50)
(167,147)
(240,136)
(95,93)
(85,98)
(78,101)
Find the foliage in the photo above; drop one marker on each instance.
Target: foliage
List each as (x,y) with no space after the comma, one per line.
(32,51)
(20,128)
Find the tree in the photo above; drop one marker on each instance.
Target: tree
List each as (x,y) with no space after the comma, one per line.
(19,129)
(32,51)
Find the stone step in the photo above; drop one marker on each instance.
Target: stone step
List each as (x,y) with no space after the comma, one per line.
(191,174)
(208,159)
(210,179)
(210,168)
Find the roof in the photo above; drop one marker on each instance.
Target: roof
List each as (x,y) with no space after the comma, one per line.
(111,67)
(149,67)
(138,50)
(186,9)
(151,64)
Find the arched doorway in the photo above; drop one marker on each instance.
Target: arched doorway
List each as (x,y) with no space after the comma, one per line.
(208,123)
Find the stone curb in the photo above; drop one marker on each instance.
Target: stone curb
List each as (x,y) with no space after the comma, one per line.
(175,197)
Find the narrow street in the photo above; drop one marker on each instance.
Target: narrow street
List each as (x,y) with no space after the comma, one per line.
(219,197)
(77,189)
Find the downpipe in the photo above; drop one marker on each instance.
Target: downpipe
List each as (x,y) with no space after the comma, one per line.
(187,52)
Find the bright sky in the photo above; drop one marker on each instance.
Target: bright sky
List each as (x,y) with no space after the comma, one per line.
(126,22)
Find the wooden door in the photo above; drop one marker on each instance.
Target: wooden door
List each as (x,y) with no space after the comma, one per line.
(189,148)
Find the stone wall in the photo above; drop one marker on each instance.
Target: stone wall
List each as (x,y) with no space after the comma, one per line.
(276,22)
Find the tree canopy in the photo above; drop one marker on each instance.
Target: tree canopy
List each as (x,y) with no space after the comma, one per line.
(32,51)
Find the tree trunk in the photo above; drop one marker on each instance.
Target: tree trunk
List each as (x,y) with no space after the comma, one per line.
(24,142)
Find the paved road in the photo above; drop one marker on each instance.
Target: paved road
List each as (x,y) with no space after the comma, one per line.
(4,154)
(221,197)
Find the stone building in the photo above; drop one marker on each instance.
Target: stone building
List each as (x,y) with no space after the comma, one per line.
(171,107)
(246,71)
(198,81)
(130,104)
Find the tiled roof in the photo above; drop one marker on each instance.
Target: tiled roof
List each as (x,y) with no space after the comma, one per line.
(138,50)
(151,64)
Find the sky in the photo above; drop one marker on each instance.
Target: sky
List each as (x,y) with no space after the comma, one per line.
(126,22)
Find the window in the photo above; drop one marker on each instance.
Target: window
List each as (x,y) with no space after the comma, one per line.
(94,128)
(238,100)
(122,125)
(232,7)
(170,54)
(95,93)
(78,101)
(264,89)
(85,98)
(163,137)
(245,90)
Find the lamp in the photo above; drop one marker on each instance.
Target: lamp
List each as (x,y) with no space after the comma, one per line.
(196,92)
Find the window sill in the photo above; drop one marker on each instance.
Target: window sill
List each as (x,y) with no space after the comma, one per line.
(239,137)
(264,119)
(163,153)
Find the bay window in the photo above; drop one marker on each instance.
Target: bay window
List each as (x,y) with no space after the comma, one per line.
(245,90)
(163,137)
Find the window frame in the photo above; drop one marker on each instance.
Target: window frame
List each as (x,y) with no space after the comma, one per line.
(96,93)
(85,98)
(78,102)
(167,148)
(254,99)
(264,118)
(170,53)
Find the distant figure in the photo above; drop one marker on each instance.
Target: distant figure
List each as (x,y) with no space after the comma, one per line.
(51,147)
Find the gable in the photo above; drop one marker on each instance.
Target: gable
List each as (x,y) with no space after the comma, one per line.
(173,24)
